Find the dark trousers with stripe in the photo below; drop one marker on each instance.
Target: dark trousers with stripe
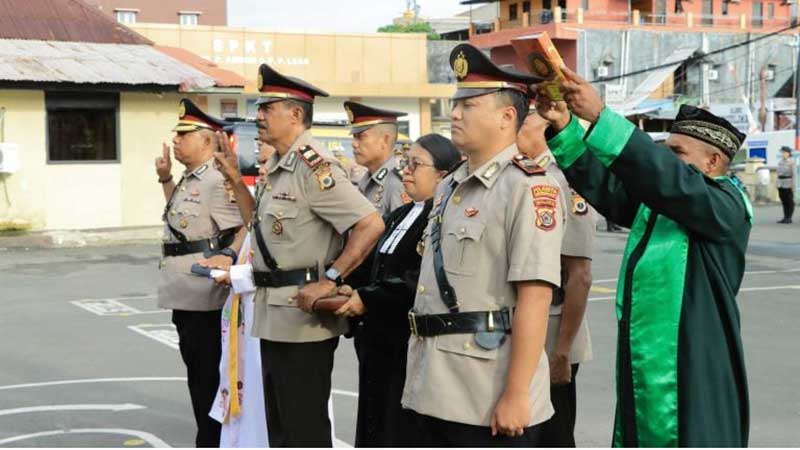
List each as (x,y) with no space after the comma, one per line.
(201,348)
(297,385)
(559,431)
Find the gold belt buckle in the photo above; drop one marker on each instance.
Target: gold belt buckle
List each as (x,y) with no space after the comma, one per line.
(412,321)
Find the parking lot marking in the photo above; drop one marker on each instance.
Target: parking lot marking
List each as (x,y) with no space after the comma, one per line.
(77,407)
(88,380)
(163,333)
(115,306)
(344,393)
(145,436)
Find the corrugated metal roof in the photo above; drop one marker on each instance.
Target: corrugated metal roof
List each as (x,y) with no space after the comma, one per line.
(90,63)
(62,20)
(222,77)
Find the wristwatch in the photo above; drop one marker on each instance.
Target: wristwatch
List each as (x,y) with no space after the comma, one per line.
(334,275)
(229,252)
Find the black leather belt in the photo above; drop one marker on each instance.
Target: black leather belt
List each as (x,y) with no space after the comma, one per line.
(281,278)
(460,323)
(202,246)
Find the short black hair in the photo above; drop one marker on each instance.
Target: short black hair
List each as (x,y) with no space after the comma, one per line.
(445,155)
(308,111)
(518,100)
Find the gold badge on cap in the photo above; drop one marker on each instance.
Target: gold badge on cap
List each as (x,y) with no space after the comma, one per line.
(181,110)
(350,115)
(461,66)
(260,81)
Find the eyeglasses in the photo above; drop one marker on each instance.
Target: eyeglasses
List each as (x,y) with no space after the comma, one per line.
(414,163)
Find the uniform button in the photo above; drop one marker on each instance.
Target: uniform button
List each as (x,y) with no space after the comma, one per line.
(462,230)
(467,346)
(280,213)
(290,300)
(421,289)
(456,199)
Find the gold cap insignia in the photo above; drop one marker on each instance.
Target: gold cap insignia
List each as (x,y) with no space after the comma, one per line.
(260,81)
(461,66)
(181,110)
(350,115)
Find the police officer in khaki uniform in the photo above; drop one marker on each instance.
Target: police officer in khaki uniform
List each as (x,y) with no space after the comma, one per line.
(201,221)
(568,342)
(304,206)
(786,183)
(374,136)
(490,264)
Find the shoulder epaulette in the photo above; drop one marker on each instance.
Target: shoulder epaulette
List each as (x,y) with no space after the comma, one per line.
(311,157)
(528,165)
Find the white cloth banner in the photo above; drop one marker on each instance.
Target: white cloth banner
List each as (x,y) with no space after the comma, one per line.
(246,427)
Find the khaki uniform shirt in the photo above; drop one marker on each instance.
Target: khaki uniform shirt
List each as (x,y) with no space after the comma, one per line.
(578,242)
(201,207)
(304,212)
(787,168)
(500,226)
(384,188)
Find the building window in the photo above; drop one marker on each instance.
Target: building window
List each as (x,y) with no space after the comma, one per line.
(771,10)
(229,108)
(758,14)
(526,7)
(725,7)
(189,18)
(585,4)
(512,12)
(81,127)
(708,12)
(126,16)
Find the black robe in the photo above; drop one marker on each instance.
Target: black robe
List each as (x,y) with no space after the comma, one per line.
(381,336)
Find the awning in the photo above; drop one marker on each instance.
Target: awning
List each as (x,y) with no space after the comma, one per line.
(654,79)
(91,63)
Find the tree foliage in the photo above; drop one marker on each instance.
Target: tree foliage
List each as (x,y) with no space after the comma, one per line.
(419,27)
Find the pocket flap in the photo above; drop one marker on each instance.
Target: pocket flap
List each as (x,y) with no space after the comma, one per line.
(464,344)
(282,211)
(282,296)
(468,230)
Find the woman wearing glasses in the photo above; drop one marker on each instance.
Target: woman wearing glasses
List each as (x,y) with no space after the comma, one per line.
(385,301)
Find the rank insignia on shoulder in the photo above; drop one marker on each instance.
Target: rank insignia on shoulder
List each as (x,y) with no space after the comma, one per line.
(579,206)
(545,199)
(325,177)
(381,174)
(311,157)
(528,165)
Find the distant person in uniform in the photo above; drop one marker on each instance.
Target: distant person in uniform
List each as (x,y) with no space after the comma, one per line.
(303,207)
(201,222)
(568,343)
(787,183)
(384,300)
(477,373)
(374,136)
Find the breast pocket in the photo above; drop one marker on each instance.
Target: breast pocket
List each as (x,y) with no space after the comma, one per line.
(464,345)
(281,222)
(462,247)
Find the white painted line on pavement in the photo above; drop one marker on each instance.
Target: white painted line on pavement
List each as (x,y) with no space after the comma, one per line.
(81,407)
(89,380)
(163,333)
(143,435)
(115,306)
(344,393)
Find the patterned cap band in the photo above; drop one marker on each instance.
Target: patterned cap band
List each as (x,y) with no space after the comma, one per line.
(713,134)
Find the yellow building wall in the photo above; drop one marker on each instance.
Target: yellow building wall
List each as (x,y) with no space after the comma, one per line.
(370,64)
(86,195)
(23,194)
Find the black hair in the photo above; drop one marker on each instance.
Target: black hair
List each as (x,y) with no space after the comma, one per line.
(445,155)
(308,111)
(518,100)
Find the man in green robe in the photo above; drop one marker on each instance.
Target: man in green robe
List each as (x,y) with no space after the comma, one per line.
(680,364)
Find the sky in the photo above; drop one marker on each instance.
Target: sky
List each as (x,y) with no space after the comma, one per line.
(359,16)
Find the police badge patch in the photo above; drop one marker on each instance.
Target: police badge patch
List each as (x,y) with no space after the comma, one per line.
(579,205)
(545,199)
(324,177)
